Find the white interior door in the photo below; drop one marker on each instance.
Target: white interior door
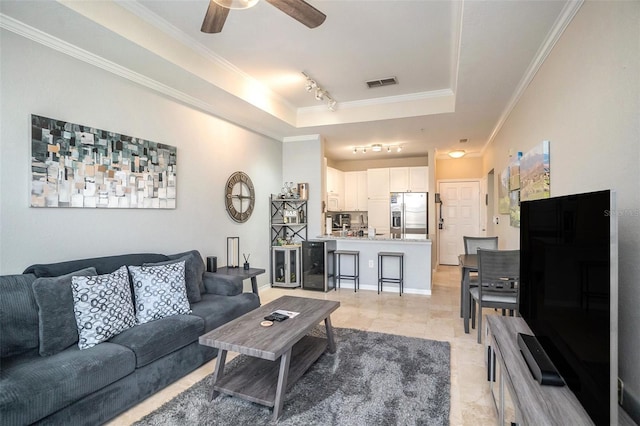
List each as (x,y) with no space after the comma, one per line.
(460,216)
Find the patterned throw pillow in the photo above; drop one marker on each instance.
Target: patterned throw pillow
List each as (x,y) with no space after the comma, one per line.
(160,291)
(103,306)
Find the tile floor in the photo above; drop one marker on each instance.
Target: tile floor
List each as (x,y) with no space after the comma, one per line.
(432,317)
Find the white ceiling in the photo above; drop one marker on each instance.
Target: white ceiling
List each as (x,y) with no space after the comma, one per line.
(460,65)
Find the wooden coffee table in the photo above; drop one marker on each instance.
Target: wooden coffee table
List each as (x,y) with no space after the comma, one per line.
(263,380)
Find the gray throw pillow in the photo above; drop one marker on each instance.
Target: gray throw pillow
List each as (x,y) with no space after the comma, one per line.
(192,275)
(194,271)
(159,291)
(56,319)
(102,306)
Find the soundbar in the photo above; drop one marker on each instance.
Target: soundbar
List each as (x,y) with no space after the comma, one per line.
(538,362)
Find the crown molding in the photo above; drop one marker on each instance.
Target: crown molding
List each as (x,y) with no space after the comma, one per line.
(52,42)
(566,16)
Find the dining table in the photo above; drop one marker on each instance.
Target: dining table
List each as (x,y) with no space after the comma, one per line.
(468,263)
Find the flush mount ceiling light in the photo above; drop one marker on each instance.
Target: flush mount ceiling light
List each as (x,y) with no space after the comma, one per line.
(318,92)
(457,153)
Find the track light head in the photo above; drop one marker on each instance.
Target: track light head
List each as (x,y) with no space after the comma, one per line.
(319,93)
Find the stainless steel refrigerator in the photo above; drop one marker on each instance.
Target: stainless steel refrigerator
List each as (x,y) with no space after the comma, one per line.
(408,215)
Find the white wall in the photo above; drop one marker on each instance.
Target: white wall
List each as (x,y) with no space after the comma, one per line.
(302,159)
(585,100)
(38,80)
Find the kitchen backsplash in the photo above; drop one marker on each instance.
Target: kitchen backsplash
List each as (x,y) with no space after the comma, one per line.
(358,218)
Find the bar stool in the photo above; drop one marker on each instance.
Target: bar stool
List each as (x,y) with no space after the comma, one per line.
(382,278)
(355,277)
(331,270)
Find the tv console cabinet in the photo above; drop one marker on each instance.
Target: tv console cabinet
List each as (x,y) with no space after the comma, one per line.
(519,398)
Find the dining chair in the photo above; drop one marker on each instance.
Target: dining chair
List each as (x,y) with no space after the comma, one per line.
(498,283)
(471,246)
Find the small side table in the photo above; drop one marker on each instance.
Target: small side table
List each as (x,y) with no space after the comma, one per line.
(244,273)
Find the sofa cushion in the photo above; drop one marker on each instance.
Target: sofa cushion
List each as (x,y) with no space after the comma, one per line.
(32,387)
(102,306)
(57,321)
(18,315)
(217,310)
(190,276)
(194,269)
(159,291)
(103,265)
(158,338)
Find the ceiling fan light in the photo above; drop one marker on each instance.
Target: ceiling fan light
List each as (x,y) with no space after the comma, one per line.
(458,153)
(236,4)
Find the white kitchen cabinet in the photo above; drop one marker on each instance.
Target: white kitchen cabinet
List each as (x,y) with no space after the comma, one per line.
(419,179)
(378,214)
(355,191)
(378,184)
(335,181)
(399,179)
(409,179)
(335,189)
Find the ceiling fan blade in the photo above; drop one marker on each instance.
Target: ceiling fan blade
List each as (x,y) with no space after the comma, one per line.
(214,19)
(301,11)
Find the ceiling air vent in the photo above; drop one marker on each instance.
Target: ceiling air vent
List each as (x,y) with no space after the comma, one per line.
(382,82)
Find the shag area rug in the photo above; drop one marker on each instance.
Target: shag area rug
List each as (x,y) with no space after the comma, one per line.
(372,379)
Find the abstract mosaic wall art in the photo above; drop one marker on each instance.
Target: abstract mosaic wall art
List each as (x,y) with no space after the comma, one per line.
(80,166)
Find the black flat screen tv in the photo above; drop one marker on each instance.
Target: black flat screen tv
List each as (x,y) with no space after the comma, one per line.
(568,293)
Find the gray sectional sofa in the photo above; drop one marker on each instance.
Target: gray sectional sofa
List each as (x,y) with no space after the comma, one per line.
(46,380)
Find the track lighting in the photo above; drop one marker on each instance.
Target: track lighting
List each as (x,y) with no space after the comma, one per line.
(310,85)
(318,92)
(377,147)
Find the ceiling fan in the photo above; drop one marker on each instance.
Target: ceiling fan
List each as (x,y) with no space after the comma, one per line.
(299,10)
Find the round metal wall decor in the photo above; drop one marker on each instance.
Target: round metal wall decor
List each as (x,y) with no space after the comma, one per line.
(240,196)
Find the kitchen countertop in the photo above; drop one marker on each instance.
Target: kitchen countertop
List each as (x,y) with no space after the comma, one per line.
(378,238)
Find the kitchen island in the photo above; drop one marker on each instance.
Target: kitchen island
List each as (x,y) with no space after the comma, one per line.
(417,262)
